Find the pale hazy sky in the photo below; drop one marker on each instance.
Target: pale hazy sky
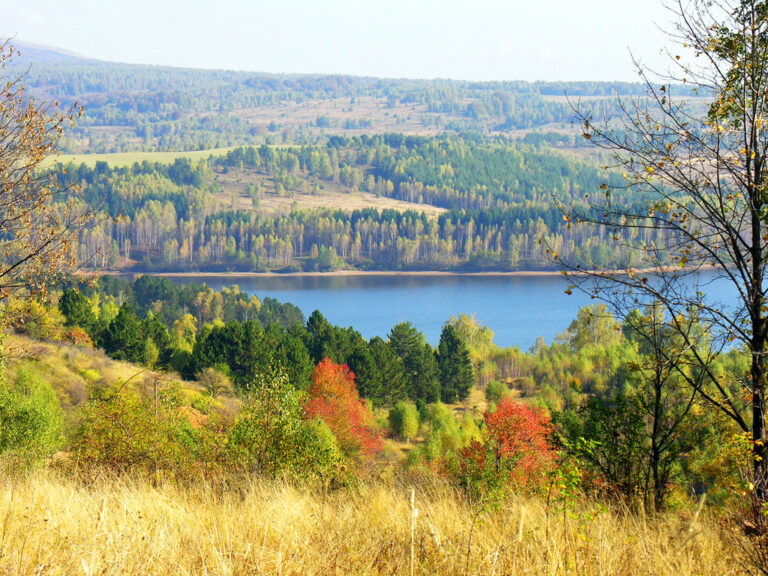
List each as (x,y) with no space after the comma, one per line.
(466,39)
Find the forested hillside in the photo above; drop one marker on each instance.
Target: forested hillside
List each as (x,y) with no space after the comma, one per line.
(321,173)
(134,107)
(464,203)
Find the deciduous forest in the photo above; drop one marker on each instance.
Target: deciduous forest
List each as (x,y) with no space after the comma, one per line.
(464,204)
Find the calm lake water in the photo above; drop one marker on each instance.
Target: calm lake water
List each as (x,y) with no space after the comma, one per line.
(517,309)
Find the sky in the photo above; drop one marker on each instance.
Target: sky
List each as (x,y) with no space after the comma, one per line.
(461,39)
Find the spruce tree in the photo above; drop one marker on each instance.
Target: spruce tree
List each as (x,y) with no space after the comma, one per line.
(456,375)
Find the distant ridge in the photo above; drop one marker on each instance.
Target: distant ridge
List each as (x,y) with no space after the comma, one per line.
(38,53)
(47,56)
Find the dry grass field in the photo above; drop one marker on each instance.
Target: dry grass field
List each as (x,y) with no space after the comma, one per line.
(383,117)
(55,526)
(119,159)
(335,196)
(342,201)
(64,520)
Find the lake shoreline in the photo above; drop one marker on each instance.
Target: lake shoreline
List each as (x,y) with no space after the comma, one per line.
(331,274)
(518,306)
(390,273)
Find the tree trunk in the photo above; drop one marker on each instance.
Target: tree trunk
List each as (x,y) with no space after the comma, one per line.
(759,321)
(760,467)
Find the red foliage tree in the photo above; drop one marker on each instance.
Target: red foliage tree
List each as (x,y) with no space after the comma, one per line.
(333,398)
(516,449)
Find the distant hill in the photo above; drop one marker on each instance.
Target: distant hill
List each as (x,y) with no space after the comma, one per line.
(143,108)
(341,171)
(47,55)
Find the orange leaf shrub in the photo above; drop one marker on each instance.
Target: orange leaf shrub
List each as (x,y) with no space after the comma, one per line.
(516,449)
(333,398)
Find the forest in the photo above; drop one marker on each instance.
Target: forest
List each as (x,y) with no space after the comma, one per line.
(322,173)
(133,107)
(499,207)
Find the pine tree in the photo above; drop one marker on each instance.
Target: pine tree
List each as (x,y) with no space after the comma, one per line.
(456,375)
(420,367)
(77,309)
(124,338)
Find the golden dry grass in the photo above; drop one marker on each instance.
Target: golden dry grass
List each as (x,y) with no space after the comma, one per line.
(341,200)
(119,159)
(50,525)
(404,118)
(72,371)
(331,195)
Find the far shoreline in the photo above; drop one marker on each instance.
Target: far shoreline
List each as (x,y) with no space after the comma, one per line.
(331,274)
(389,273)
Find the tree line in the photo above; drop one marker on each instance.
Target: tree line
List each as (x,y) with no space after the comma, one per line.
(502,201)
(190,328)
(164,108)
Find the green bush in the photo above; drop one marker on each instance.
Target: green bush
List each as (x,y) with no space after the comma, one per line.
(445,435)
(496,391)
(30,420)
(272,436)
(404,420)
(202,403)
(124,430)
(90,375)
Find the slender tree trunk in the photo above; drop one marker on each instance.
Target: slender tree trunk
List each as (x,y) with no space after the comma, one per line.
(758,344)
(755,166)
(758,413)
(658,488)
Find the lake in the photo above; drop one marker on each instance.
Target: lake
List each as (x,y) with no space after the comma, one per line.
(518,309)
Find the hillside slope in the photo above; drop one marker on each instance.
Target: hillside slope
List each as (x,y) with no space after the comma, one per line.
(130,107)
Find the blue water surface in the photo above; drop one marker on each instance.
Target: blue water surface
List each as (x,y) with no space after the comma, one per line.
(518,309)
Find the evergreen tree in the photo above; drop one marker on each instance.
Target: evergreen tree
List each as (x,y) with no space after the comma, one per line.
(387,385)
(419,365)
(368,374)
(124,338)
(77,309)
(316,333)
(456,375)
(291,354)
